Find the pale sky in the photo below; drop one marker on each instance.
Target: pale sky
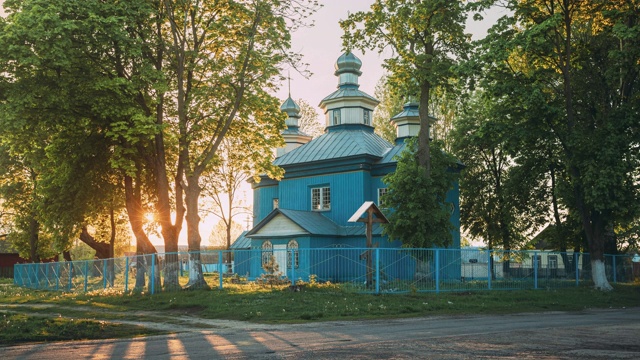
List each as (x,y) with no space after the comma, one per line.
(321,46)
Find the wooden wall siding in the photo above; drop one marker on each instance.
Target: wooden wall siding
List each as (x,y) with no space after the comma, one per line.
(281,226)
(347,193)
(352,116)
(263,202)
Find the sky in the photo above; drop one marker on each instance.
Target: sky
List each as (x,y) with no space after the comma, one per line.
(321,45)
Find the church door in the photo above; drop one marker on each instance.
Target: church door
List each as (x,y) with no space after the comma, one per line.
(280,253)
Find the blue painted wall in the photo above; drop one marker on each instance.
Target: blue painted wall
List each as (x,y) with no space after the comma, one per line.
(263,201)
(348,191)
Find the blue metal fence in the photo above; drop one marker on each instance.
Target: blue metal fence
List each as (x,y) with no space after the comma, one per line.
(358,269)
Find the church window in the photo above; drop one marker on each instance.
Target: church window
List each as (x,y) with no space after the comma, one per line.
(381,193)
(292,254)
(276,203)
(321,198)
(367,117)
(267,252)
(336,117)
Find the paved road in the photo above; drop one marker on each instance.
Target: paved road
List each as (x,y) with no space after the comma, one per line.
(593,334)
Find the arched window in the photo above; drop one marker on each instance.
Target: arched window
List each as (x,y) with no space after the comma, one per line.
(292,251)
(267,252)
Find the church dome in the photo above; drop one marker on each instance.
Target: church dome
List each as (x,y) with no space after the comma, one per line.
(348,62)
(290,107)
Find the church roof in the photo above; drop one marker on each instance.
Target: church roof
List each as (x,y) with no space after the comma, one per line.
(242,242)
(348,62)
(347,92)
(389,156)
(309,223)
(350,141)
(290,107)
(409,109)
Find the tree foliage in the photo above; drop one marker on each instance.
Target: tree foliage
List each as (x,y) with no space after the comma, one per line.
(427,39)
(418,214)
(391,103)
(73,85)
(309,122)
(566,73)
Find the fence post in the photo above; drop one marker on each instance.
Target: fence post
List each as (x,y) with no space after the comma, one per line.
(615,276)
(152,275)
(126,274)
(220,272)
(576,256)
(377,271)
(86,275)
(57,275)
(70,275)
(489,265)
(293,267)
(46,274)
(437,256)
(535,269)
(37,280)
(104,274)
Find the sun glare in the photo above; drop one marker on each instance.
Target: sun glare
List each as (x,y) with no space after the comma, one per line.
(151,217)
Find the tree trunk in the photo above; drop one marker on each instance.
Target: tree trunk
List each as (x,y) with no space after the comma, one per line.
(102,249)
(136,219)
(66,255)
(192,194)
(424,156)
(34,230)
(170,231)
(228,260)
(595,232)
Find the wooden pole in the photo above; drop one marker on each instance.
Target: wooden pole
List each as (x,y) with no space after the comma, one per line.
(369,223)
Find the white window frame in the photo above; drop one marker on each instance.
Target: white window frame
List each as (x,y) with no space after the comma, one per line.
(381,193)
(292,249)
(321,198)
(366,117)
(276,203)
(267,252)
(335,117)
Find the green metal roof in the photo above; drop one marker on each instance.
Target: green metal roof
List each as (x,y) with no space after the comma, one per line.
(409,109)
(242,242)
(313,222)
(347,92)
(349,141)
(390,156)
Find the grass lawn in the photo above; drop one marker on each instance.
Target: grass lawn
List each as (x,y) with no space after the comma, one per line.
(86,315)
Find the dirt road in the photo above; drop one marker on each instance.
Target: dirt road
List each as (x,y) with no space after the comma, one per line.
(591,334)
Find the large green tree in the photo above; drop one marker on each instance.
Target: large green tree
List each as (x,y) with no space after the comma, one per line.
(568,70)
(74,71)
(499,201)
(418,213)
(427,39)
(226,57)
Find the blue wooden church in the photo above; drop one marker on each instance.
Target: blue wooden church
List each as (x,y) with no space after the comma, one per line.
(326,181)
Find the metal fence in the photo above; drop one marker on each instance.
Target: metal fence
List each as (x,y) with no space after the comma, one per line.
(357,269)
